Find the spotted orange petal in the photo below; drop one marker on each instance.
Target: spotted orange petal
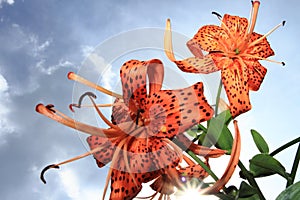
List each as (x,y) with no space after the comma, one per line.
(134,74)
(262,49)
(105,155)
(257,73)
(203,65)
(195,48)
(125,185)
(174,111)
(197,64)
(194,171)
(235,25)
(208,37)
(235,81)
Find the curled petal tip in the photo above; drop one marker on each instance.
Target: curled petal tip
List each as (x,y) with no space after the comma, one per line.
(45,169)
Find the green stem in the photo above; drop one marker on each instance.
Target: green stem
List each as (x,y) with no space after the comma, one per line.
(283,147)
(203,165)
(294,168)
(218,97)
(251,180)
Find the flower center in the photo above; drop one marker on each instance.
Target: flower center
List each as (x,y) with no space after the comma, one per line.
(237,51)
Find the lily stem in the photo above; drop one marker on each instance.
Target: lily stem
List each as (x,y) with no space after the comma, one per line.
(294,168)
(218,98)
(251,180)
(283,147)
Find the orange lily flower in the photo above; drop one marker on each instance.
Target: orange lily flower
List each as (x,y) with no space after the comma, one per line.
(138,141)
(235,49)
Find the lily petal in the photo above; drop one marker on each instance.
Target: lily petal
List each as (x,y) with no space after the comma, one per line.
(134,74)
(124,185)
(209,37)
(235,81)
(260,50)
(235,25)
(234,159)
(257,73)
(197,64)
(174,111)
(105,155)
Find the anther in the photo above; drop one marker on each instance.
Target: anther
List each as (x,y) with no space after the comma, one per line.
(217,14)
(283,63)
(45,169)
(90,94)
(50,107)
(283,23)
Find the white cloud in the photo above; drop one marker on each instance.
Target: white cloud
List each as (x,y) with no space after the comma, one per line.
(6,126)
(71,186)
(51,69)
(104,69)
(70,183)
(3,84)
(10,2)
(86,50)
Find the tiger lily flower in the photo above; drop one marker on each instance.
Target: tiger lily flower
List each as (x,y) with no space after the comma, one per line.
(138,141)
(235,49)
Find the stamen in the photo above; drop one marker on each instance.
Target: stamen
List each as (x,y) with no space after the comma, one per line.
(168,46)
(102,116)
(67,121)
(89,106)
(75,77)
(56,166)
(267,34)
(260,58)
(113,162)
(46,169)
(80,100)
(217,14)
(125,151)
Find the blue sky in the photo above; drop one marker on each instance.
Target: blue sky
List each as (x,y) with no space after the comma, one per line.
(41,41)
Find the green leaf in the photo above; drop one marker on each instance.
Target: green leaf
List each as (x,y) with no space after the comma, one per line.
(225,116)
(291,193)
(262,165)
(260,142)
(192,133)
(246,190)
(254,197)
(218,133)
(204,141)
